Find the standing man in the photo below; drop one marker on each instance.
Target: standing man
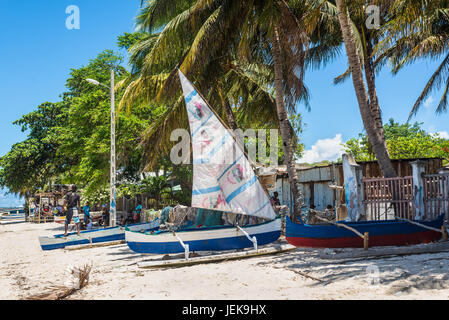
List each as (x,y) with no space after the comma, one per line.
(72,201)
(138,211)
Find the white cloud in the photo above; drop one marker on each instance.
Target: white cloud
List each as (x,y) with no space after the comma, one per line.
(443,134)
(325,149)
(428,102)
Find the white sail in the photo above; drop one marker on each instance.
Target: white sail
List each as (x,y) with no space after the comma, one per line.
(222,176)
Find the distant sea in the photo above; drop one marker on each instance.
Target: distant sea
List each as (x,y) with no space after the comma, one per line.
(10,200)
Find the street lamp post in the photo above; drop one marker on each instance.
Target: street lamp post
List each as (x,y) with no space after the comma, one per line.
(112,202)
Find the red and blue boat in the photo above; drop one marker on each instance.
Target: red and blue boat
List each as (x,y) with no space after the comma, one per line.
(381,233)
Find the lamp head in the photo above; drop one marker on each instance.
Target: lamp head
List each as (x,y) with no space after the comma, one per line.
(92,81)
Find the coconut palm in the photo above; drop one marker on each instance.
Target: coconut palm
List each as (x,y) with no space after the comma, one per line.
(417,30)
(368,102)
(215,41)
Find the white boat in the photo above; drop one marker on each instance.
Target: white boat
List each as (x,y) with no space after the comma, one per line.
(93,236)
(224,181)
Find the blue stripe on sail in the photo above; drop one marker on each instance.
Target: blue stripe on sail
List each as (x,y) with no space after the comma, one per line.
(241,189)
(260,209)
(218,147)
(227,169)
(201,125)
(205,191)
(201,161)
(190,96)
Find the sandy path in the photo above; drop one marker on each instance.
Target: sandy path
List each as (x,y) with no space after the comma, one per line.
(25,269)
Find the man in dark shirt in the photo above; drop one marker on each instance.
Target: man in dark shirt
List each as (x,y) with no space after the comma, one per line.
(72,201)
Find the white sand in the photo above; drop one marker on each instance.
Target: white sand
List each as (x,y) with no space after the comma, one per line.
(25,270)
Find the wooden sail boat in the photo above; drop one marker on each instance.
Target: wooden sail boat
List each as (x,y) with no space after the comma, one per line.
(223,181)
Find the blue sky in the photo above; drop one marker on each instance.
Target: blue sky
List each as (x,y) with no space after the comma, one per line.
(39,51)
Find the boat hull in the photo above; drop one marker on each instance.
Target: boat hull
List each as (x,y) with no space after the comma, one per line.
(381,233)
(207,239)
(94,236)
(13,218)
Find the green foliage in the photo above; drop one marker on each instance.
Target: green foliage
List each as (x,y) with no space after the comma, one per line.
(127,40)
(69,141)
(404,141)
(31,164)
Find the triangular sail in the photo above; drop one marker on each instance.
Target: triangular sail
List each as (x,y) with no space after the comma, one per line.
(222,176)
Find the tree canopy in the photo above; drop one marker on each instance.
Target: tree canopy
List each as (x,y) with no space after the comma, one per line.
(404,141)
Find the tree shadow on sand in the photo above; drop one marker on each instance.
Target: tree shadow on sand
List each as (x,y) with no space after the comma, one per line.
(396,273)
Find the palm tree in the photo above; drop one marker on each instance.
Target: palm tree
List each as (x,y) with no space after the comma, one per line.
(369,108)
(417,30)
(208,41)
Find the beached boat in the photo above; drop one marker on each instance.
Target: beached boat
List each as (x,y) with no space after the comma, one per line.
(218,238)
(93,236)
(12,217)
(97,215)
(381,233)
(223,181)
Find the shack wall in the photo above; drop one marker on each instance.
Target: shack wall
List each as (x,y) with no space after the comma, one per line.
(314,182)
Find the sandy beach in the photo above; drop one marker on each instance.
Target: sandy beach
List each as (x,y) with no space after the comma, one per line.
(26,270)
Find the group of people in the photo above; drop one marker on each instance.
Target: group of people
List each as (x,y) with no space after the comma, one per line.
(72,203)
(132,217)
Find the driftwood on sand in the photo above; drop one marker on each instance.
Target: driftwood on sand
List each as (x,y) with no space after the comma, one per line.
(80,279)
(388,251)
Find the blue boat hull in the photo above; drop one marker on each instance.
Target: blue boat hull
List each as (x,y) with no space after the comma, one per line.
(381,233)
(207,239)
(93,236)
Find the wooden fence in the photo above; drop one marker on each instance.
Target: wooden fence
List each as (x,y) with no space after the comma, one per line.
(385,198)
(436,195)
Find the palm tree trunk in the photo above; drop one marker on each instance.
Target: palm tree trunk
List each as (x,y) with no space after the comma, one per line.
(374,136)
(229,113)
(374,101)
(284,125)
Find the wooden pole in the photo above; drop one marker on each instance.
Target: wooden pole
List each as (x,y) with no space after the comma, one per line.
(421,225)
(40,208)
(366,241)
(342,225)
(444,232)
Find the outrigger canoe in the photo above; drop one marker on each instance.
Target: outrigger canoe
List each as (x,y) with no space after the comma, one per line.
(216,238)
(381,233)
(223,181)
(94,236)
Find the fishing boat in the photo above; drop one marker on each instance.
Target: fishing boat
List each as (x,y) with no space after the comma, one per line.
(16,216)
(94,215)
(94,236)
(223,181)
(381,233)
(219,238)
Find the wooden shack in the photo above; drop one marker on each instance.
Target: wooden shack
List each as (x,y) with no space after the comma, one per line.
(315,181)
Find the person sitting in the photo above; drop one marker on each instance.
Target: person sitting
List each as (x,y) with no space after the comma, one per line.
(86,211)
(129,218)
(275,199)
(105,215)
